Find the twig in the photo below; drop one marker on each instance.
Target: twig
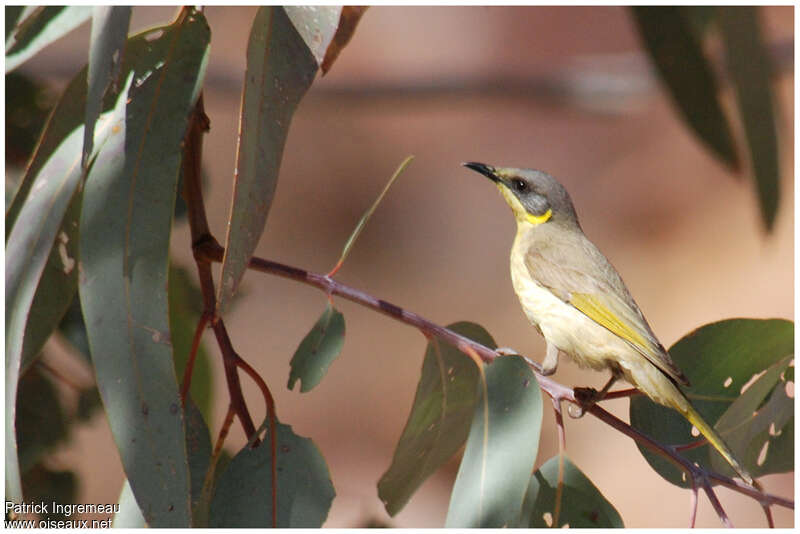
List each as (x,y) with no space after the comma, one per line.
(716,504)
(693,500)
(187,372)
(562,446)
(557,391)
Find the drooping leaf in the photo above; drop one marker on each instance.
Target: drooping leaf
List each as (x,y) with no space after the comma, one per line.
(761,424)
(243,496)
(440,418)
(57,286)
(66,116)
(750,70)
(109,33)
(280,69)
(125,226)
(317,350)
(129,514)
(348,21)
(501,448)
(367,214)
(316,25)
(28,249)
(719,359)
(185,301)
(44,26)
(582,504)
(678,57)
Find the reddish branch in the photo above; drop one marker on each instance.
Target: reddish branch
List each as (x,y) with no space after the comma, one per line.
(697,474)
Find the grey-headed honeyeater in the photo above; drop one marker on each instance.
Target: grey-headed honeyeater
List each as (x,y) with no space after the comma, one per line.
(579,303)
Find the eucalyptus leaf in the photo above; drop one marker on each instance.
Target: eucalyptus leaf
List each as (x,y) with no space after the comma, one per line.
(677,54)
(501,448)
(280,69)
(440,418)
(125,227)
(243,496)
(129,514)
(751,73)
(719,359)
(317,350)
(45,25)
(348,20)
(582,504)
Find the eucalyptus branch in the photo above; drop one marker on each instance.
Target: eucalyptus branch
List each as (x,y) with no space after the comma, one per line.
(211,251)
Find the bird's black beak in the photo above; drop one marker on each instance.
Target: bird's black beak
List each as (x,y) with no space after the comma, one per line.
(486,170)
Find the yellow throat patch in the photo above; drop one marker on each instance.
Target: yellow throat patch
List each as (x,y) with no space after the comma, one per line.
(520,213)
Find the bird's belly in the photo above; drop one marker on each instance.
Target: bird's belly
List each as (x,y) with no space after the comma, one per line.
(588,343)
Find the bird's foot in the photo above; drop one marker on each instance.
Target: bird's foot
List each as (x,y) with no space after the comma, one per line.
(506,351)
(586,398)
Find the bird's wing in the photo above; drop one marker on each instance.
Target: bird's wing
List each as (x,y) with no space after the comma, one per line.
(586,280)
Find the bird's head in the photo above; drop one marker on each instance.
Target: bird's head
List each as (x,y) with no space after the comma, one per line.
(535,197)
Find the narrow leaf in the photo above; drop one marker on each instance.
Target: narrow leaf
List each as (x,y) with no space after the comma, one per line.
(28,249)
(440,417)
(317,350)
(582,504)
(364,218)
(316,25)
(280,69)
(678,57)
(501,449)
(125,227)
(719,359)
(109,33)
(348,21)
(46,25)
(751,72)
(198,449)
(243,495)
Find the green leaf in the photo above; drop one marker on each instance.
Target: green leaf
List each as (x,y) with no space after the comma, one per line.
(129,514)
(125,227)
(66,116)
(317,350)
(280,69)
(28,249)
(761,423)
(582,504)
(109,33)
(501,448)
(185,301)
(198,449)
(440,417)
(56,289)
(316,25)
(243,495)
(750,69)
(678,57)
(44,26)
(364,218)
(719,359)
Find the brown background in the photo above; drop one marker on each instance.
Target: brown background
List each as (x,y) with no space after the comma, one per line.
(527,86)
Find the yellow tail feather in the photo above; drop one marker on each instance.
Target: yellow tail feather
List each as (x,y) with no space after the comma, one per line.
(715,439)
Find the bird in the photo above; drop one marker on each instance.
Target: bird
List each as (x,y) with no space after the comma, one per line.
(579,303)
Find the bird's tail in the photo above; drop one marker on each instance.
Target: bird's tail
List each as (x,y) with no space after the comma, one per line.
(694,417)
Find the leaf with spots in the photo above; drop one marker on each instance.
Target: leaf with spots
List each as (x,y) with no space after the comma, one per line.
(440,417)
(125,226)
(243,495)
(317,350)
(720,359)
(501,448)
(280,69)
(582,505)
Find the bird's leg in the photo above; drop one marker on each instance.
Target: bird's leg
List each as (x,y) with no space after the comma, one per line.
(550,362)
(588,396)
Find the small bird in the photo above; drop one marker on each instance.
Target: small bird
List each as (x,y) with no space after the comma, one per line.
(576,299)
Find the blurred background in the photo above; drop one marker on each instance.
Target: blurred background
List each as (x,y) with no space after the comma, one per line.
(563,89)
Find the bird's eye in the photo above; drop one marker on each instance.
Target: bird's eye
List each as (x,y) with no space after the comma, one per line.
(519,185)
